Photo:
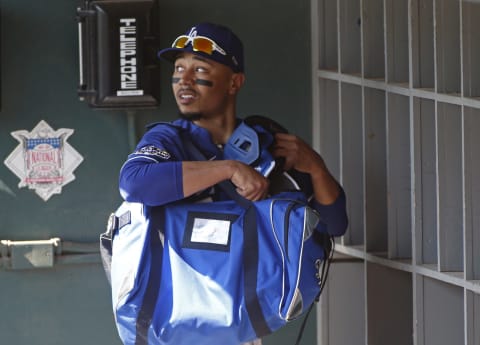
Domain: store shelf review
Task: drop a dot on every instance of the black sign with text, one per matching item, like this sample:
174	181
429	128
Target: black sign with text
118	43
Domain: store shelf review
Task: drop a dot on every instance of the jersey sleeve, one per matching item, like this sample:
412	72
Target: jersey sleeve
333	217
152	174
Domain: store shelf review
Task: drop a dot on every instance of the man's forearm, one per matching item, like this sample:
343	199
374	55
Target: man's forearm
326	189
200	175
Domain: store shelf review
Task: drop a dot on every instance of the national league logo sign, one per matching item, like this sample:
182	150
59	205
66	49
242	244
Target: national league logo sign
43	160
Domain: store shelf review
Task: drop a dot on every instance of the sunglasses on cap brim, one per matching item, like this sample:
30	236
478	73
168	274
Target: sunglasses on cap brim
199	44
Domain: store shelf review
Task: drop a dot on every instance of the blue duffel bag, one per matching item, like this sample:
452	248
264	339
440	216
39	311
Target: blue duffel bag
231	271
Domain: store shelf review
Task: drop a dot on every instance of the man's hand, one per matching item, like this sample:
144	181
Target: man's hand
300	156
250	184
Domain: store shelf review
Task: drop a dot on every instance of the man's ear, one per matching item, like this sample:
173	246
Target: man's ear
237	81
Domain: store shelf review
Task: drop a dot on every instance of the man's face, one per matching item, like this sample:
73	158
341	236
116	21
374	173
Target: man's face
202	88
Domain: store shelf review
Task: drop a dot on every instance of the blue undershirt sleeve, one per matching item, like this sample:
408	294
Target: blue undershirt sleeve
334	216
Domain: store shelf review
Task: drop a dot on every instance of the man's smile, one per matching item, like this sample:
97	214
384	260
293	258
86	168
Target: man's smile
186	96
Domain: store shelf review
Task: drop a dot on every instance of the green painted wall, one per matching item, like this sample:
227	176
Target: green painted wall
39	77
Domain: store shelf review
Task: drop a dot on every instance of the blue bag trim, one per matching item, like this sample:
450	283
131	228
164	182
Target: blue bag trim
145	313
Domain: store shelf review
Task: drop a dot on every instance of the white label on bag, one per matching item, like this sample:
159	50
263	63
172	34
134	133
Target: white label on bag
210	231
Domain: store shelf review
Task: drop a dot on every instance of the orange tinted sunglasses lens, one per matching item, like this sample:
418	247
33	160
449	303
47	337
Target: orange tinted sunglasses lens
180	42
203	45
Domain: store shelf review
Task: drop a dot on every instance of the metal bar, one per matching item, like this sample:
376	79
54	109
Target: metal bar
19	255
78	247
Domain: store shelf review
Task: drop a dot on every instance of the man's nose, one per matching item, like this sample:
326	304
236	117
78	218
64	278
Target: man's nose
187	77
